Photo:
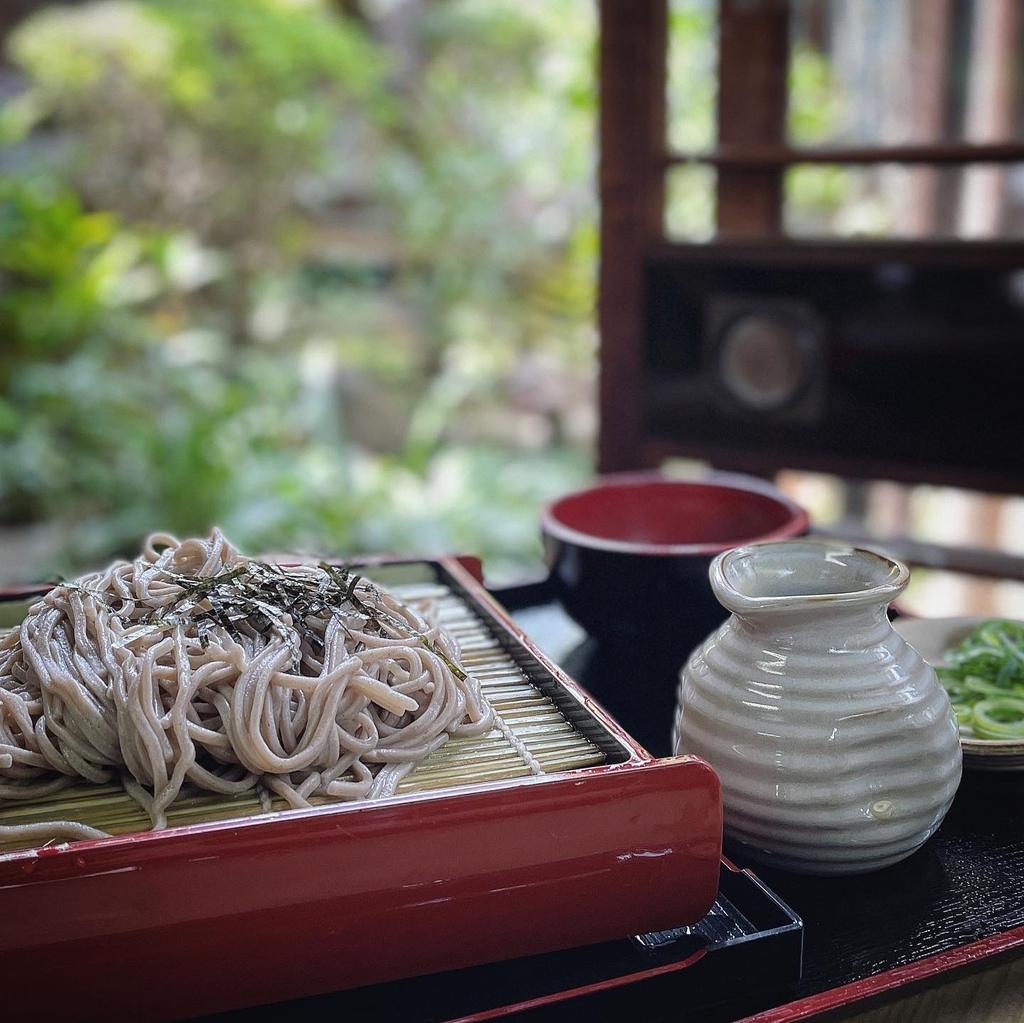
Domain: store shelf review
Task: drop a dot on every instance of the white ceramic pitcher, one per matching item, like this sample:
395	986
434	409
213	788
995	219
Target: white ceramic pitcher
836	745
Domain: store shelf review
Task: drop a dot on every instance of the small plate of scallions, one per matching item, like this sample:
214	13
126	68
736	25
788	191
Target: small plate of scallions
980	662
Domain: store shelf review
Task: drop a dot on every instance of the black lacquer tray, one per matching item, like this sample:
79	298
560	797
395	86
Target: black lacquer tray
955	902
776	947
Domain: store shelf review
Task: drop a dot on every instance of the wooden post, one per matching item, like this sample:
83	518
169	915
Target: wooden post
632	82
752	89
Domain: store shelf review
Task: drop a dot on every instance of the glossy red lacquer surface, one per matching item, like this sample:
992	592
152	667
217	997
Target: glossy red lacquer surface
649	513
205	918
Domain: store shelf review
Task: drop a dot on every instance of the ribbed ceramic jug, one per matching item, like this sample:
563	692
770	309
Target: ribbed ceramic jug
835	743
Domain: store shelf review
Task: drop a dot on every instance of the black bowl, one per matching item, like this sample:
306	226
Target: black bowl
628	557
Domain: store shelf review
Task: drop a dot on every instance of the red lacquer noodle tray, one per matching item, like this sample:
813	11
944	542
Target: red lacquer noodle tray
475	859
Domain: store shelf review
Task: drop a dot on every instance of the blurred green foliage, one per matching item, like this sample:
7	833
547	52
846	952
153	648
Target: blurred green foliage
815	192
320	273
323	279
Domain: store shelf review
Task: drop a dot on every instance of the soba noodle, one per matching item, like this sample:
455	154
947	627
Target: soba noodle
195	667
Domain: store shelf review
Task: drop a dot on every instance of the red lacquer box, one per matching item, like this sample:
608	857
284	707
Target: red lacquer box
208	917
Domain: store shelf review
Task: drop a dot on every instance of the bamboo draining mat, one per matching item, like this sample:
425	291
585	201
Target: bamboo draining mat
532	722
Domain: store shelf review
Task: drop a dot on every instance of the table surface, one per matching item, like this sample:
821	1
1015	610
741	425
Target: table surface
944	917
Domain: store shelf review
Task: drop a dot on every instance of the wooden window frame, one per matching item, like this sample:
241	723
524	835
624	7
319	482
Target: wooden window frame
750	157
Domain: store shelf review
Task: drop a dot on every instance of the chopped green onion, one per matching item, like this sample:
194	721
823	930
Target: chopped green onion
999	717
984	677
982	687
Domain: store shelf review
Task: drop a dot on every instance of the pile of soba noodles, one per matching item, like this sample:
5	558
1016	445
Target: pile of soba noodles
194	667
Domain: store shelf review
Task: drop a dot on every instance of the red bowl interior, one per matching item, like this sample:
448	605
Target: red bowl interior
659	516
